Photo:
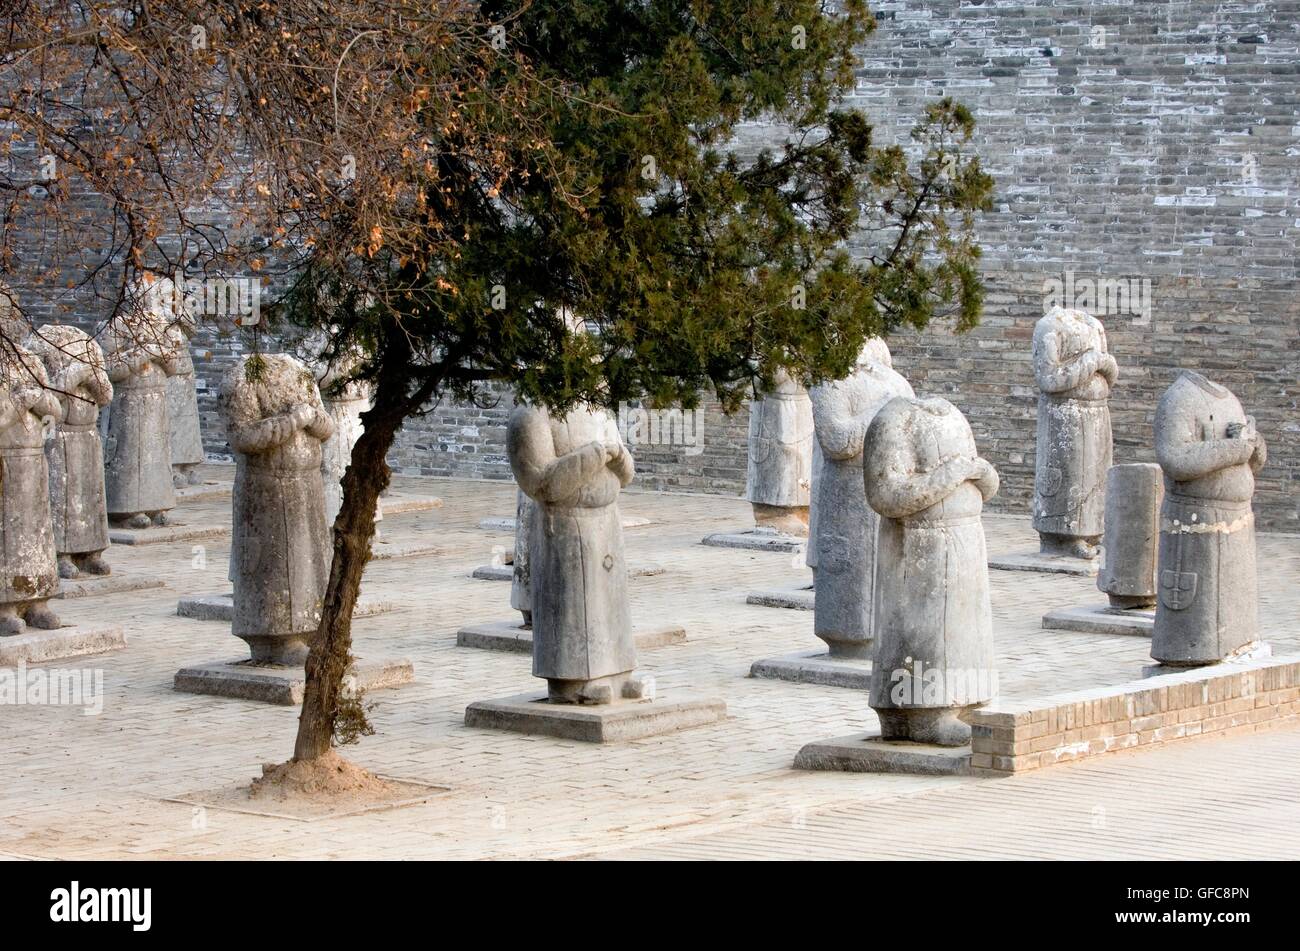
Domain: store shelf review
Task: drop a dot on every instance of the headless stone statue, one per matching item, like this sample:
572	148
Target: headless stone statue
183	409
1133	496
28	572
779	477
141	351
521	587
344	401
1075	374
74	454
573	469
1210	452
845	539
933	622
279	553
814	508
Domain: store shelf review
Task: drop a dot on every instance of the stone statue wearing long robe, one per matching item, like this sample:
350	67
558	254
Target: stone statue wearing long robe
29	574
933	621
183	409
141	349
521	582
846	532
280	552
779	477
1209	450
573	468
75	454
1075	373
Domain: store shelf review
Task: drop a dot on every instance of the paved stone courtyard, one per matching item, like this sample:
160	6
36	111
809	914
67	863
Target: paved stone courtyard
80	786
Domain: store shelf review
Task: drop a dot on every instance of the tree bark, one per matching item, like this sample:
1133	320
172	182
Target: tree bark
366	477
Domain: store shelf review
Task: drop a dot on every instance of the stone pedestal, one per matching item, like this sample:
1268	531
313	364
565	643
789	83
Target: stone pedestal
513	637
37	647
493	572
402	506
244	680
801	598
166	534
386	551
212	490
757	539
90	585
614	722
221	607
1101	619
1043	562
1255	650
815	667
868	753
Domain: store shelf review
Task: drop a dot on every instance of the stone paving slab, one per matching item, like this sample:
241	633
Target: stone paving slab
512	637
285	686
1101	619
1036	561
814	667
38	647
616	722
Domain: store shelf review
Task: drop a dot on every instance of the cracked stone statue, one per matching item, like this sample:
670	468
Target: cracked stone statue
1075	374
573	468
74	364
183	408
29	410
845	539
141	350
1128	573
280	551
933	623
1210	452
344	400
779	477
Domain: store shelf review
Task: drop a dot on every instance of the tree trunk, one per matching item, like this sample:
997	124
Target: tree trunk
366	477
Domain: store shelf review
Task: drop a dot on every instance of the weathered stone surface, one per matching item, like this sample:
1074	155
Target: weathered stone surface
285	686
74	454
573	468
521	592
1128	571
847	526
221	607
1075	373
514	637
934	626
779	480
614	722
1043	562
205	491
509	525
797	599
757	539
142	350
385	551
815	667
279	553
1101	619
868	753
38	646
344	401
91	585
171	533
183	409
1210	452
28	572
398	506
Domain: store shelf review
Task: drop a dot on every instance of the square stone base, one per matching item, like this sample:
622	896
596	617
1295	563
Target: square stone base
494	573
1261	650
401	506
814	667
604	723
507	524
757	539
1101	619
868	753
384	551
166	534
221	607
1037	561
205	491
510	636
36	646
241	680
797	599
89	585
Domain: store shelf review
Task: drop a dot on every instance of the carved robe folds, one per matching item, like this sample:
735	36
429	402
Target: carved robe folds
573	468
1207	589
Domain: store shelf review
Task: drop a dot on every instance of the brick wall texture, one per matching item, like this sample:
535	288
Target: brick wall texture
1153	144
